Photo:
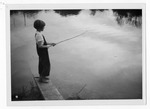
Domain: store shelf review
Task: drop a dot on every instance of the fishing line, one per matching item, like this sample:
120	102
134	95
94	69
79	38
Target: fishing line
70	38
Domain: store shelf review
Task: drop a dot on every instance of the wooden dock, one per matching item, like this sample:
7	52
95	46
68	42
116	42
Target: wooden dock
48	90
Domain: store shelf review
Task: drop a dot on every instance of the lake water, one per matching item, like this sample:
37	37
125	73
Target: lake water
107	58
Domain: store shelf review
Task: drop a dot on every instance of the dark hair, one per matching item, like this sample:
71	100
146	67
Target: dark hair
39	24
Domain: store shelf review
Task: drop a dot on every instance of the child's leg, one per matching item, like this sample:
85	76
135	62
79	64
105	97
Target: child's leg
47	78
46	66
40	66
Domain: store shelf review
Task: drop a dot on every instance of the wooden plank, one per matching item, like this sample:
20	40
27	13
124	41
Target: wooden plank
48	90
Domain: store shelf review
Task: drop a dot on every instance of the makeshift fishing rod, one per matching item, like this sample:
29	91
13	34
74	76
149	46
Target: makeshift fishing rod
70	38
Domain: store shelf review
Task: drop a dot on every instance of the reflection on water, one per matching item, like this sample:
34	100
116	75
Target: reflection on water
107	59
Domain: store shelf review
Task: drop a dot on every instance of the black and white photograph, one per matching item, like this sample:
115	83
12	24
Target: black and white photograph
76	54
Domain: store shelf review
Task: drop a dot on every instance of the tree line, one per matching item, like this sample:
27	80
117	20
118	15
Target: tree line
132	15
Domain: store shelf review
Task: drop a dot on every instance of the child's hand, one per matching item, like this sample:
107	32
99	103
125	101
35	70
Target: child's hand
53	44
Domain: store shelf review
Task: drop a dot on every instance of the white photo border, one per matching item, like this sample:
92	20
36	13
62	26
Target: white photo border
76	6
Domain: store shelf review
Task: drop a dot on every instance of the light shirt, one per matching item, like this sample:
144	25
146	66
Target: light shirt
39	37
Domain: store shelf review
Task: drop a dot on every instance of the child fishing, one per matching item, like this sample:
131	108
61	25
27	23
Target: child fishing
42	46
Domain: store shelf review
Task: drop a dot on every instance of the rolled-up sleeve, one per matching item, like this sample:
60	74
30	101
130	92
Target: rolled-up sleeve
39	38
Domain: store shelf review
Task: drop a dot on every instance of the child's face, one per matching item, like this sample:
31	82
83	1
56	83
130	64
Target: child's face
41	29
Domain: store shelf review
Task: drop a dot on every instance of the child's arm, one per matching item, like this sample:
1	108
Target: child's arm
40	44
52	44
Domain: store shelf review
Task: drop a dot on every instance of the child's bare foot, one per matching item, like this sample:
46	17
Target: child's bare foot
46	78
42	80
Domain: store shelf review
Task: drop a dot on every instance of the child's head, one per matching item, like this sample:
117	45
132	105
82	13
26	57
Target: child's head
39	25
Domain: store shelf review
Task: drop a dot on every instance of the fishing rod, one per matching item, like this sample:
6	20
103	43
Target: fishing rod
70	38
